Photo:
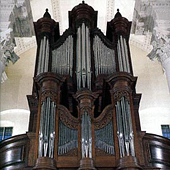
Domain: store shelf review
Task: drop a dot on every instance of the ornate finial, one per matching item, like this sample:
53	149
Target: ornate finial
118	14
83	2
46	14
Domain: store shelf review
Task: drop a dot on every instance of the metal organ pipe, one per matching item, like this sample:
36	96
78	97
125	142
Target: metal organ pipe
83	57
86	136
78	60
62	57
123	53
84	67
104	138
124	128
68	139
104	57
126	54
123	58
120	56
43	59
88	55
47	128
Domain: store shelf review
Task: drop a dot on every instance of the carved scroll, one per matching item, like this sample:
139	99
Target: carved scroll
104	57
62	57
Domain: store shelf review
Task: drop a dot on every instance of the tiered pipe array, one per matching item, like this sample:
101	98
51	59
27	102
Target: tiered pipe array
62	57
86	136
43	58
47	128
104	57
104	139
83	57
123	58
68	139
124	128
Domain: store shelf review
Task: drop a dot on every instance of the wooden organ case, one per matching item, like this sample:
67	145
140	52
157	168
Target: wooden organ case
84	106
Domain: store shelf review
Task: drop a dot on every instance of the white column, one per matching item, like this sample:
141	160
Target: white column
2	68
166	66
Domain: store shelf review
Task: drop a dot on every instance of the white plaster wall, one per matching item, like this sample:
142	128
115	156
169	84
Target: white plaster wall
152	83
16	118
14	110
19	83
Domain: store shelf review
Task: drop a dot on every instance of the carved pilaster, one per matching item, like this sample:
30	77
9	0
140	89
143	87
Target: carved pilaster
48	87
85	99
122	90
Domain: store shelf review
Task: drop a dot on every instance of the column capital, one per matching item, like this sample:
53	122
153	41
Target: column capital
48	82
85	95
161	46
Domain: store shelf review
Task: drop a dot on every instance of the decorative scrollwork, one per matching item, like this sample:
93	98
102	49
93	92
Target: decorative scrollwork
66	118
105	117
50	94
119	94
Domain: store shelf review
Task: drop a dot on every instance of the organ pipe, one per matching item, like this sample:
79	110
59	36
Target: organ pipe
104	139
62	57
124	128
123	58
68	139
104	57
86	136
43	58
83	57
47	128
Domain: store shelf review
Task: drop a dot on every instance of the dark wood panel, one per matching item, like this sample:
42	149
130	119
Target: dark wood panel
14	152
157	151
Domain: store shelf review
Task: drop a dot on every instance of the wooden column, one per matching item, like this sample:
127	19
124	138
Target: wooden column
85	99
49	88
122	90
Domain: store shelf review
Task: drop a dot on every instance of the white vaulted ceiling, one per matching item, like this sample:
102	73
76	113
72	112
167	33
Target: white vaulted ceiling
59	10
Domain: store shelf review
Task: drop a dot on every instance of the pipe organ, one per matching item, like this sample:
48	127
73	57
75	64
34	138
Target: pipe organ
84	106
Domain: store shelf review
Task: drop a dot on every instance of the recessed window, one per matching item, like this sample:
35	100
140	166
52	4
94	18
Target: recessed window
5	132
166	131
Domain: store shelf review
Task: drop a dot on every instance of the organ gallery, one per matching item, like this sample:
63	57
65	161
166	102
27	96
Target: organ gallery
84	106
